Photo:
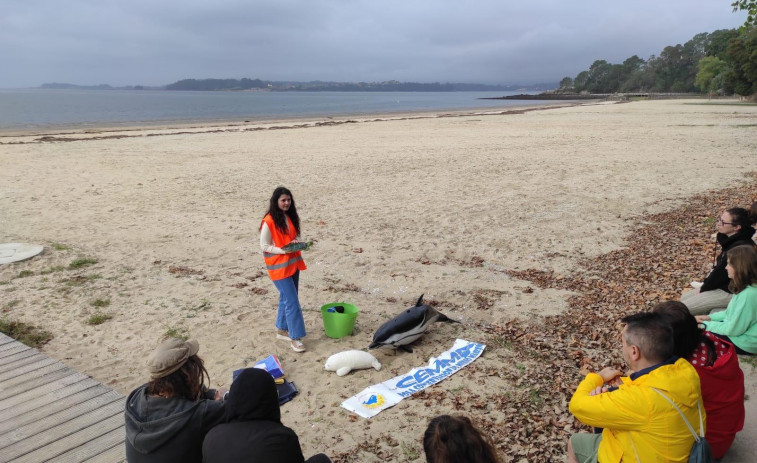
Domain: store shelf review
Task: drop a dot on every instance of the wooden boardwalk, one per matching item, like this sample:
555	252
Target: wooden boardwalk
49	412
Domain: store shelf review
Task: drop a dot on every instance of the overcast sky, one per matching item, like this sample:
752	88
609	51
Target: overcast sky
157	42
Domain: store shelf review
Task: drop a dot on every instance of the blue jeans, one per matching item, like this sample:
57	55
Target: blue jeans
289	317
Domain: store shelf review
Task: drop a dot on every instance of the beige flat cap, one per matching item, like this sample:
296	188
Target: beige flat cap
170	356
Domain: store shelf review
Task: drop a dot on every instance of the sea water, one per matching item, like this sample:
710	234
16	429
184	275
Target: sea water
42	109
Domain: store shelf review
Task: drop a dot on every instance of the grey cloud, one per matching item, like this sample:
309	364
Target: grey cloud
154	43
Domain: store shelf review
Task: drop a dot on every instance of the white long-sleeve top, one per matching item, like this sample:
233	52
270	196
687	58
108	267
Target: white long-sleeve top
266	241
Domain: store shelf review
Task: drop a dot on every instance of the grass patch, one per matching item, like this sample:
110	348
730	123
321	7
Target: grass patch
100	302
4	282
194	310
13	303
410	451
178	332
60	247
98	318
22	332
534	397
24	274
57	268
79	263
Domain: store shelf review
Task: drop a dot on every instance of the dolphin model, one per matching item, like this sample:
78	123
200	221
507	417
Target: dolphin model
408	326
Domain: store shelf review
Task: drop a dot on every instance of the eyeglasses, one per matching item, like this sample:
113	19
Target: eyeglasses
720	222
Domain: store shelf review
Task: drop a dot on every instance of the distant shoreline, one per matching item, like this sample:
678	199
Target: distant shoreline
549	96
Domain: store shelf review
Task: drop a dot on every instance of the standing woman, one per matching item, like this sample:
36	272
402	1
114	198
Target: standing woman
281	226
734	229
738	323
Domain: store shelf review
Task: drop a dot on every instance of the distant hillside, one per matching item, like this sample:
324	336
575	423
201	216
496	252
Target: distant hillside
61	86
313	86
319	86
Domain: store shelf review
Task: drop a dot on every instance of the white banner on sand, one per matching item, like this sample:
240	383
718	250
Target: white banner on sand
374	399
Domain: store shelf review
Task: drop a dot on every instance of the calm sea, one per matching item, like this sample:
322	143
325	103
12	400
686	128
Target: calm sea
42	109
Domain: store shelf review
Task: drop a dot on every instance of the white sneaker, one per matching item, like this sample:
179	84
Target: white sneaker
297	346
283	335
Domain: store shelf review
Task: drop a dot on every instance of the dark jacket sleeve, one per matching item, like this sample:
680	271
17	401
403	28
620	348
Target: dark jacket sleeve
718	277
212	413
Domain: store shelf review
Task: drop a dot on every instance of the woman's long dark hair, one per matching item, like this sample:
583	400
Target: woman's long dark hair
278	216
743	259
686	332
187	382
454	439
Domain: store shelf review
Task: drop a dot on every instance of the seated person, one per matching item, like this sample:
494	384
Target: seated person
734	229
167	418
253	431
753	219
639	423
738	323
720	376
454	439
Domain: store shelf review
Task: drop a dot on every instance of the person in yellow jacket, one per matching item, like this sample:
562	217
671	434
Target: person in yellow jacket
280	227
639	423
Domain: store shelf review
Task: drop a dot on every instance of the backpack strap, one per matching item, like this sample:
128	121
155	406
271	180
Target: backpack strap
699	409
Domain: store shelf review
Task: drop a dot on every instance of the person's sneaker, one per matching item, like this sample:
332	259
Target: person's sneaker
298	346
283	335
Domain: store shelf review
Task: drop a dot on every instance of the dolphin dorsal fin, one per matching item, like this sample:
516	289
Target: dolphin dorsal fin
420	301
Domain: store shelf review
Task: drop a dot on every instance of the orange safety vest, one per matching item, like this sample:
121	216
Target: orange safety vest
282	266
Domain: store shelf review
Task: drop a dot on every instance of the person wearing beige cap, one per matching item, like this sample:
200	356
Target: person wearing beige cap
167	418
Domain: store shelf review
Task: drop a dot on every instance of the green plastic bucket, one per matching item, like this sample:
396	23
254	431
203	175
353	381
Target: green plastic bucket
338	325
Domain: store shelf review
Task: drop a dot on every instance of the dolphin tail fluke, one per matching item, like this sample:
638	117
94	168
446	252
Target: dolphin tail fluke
420	301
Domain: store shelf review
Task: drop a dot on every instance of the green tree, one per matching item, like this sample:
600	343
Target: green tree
566	83
579	83
742	57
718	42
710	76
750	6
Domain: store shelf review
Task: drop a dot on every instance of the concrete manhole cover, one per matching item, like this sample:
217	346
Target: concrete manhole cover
14	252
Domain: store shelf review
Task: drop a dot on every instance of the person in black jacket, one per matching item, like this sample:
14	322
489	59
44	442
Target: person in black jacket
167	418
253	432
734	229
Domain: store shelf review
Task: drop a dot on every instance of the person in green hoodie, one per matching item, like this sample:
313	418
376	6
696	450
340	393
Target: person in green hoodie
168	418
738	323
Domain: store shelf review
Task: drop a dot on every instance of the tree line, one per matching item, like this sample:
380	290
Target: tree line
722	62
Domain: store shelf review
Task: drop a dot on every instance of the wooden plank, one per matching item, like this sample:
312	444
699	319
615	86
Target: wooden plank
22	386
32	375
44	401
112	442
21	362
12	373
6	340
12	348
41	391
64	443
18	445
116	454
13	418
63	416
14	357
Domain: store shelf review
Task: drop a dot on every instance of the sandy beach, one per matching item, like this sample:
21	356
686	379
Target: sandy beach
397	206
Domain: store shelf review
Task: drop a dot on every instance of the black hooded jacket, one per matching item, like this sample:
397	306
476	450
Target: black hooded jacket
718	277
253	432
168	430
